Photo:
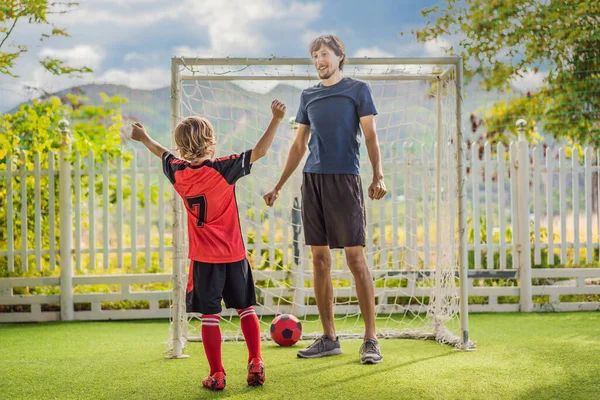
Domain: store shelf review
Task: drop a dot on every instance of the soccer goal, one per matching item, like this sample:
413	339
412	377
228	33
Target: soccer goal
416	243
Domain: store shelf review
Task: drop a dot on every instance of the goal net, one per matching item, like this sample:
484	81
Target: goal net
414	235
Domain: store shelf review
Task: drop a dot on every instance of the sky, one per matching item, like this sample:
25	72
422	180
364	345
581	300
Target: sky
131	42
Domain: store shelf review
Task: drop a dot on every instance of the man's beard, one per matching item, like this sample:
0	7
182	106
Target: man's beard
327	75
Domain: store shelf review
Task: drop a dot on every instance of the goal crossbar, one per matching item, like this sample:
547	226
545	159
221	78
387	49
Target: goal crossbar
307	61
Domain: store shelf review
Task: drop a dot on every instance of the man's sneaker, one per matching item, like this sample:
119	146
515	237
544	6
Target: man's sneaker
322	347
256	372
370	352
214	382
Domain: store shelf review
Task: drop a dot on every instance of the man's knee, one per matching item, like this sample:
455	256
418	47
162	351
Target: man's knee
355	256
356	261
321	260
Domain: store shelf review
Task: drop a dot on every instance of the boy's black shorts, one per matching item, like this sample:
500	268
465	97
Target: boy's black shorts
208	284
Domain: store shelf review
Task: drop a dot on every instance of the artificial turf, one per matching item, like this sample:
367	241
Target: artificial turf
518	356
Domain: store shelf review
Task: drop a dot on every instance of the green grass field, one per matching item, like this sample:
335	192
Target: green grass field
519	356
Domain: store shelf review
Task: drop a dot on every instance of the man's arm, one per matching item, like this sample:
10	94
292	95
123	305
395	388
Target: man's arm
139	133
377	188
297	151
263	145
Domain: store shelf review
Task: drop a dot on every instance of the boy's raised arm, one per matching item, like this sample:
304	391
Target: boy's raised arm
278	111
139	133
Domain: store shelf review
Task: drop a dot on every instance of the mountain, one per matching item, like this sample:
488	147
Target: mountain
240	116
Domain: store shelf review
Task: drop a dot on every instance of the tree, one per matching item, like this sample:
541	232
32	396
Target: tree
14	12
504	39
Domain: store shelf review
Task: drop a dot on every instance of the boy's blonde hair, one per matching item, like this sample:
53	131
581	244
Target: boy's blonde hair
194	137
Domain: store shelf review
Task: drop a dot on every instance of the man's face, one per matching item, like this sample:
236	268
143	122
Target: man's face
326	62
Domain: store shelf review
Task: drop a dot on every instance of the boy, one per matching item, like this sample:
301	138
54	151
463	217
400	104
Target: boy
219	268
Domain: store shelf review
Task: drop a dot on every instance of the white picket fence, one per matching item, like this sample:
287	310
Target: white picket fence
499	188
554	192
549	208
111	223
104	236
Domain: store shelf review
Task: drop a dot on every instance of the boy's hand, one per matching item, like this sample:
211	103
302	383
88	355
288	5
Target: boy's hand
138	132
278	109
271	196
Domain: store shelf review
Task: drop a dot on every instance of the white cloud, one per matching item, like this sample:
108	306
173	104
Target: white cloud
35	76
437	47
371	52
236	14
102	29
134	56
145	79
309	35
187	51
234	27
119	14
77	57
530	81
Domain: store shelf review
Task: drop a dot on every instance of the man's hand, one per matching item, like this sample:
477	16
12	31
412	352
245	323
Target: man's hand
138	132
377	189
278	109
271	197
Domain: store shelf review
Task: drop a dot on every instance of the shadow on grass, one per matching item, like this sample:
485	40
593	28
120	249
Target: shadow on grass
568	389
371	370
319	366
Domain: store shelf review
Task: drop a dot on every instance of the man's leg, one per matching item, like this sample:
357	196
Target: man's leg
324	288
370	352
365	289
315	234
328	344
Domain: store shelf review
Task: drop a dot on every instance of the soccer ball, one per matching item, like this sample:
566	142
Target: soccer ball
286	330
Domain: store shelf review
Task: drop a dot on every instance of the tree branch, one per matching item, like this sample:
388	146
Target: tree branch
10	30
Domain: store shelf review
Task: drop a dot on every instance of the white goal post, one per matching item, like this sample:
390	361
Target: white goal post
416	235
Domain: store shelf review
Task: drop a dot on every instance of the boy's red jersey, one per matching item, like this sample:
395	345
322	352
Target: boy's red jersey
208	193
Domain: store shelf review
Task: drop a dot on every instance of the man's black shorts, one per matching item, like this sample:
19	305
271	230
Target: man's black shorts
333	210
208	284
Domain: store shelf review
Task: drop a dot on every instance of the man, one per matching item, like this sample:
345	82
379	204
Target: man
333	211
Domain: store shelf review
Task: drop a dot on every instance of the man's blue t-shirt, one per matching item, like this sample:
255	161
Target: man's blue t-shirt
333	113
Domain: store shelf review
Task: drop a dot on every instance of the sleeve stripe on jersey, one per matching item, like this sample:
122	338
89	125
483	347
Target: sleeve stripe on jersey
171	165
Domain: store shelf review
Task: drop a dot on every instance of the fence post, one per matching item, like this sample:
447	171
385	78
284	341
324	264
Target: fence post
522	230
298	265
66	224
299	297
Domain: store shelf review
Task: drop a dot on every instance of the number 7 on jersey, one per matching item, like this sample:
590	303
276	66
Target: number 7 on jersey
198	205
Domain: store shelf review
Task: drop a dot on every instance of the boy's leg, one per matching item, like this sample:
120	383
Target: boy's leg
239	293
204	296
211	339
251	330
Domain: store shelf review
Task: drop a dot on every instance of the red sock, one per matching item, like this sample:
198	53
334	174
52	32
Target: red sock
251	331
211	339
